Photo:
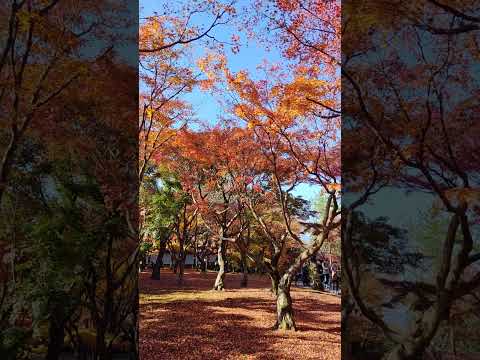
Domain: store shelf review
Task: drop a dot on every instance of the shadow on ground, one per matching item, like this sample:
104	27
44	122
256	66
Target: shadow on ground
194	322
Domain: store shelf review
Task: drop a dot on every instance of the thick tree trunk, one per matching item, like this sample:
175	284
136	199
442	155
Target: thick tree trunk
56	334
100	346
181	269
414	348
285	319
244	281
158	262
275	278
220	280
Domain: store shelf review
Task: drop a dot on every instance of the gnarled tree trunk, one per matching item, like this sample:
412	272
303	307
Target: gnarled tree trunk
220	280
285	319
275	278
414	346
100	346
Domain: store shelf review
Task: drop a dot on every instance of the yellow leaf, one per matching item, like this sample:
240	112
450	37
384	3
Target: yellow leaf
149	112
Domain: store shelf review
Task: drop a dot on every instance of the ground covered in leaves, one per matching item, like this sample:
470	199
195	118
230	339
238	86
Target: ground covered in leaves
193	322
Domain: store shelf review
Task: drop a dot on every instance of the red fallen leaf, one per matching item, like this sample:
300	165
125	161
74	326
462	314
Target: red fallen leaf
192	322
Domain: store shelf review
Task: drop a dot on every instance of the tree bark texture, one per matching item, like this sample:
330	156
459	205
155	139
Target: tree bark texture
285	318
220	280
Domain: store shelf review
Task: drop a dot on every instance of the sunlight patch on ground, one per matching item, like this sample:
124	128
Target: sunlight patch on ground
179	296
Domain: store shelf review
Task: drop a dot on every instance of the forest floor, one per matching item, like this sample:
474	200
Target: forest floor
193	322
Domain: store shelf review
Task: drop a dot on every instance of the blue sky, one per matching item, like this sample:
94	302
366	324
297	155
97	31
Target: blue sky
206	105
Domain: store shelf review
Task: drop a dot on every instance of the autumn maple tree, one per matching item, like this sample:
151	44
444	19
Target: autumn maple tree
66	160
297	143
414	126
165	45
39	61
241	173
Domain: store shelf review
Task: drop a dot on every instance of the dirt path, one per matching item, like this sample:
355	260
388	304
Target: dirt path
193	322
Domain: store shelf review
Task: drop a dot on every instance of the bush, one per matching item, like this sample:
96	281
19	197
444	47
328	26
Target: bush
12	343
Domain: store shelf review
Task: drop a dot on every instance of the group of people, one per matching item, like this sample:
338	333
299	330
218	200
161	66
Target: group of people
329	275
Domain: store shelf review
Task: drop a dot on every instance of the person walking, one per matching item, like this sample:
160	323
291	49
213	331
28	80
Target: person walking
305	278
326	274
335	278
